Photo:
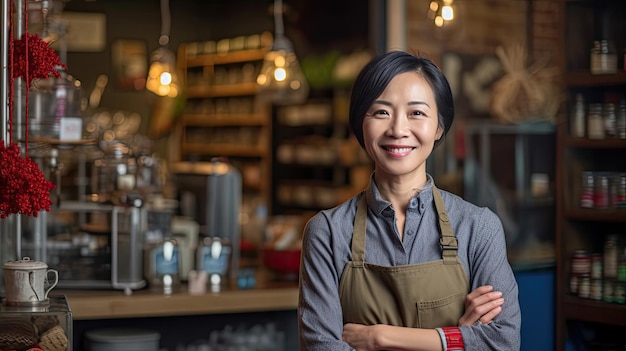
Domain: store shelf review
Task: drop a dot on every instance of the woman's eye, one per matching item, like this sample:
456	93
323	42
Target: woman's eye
415	114
381	114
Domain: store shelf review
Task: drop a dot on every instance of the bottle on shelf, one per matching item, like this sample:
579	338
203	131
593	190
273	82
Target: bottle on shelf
621	119
578	118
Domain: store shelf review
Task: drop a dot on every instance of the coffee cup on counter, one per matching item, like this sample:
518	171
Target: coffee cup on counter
27	282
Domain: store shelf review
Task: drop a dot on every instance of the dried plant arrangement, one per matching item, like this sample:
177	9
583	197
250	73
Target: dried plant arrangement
524	93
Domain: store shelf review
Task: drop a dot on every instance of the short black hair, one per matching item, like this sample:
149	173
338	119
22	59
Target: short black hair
376	75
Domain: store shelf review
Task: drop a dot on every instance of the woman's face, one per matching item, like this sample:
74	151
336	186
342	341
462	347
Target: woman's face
401	126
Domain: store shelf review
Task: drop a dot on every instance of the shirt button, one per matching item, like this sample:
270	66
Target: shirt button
413	203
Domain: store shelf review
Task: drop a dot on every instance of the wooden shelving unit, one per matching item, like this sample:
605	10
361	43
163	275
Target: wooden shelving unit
583	22
223	117
317	162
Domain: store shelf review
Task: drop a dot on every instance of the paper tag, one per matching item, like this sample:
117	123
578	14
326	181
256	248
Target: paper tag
71	129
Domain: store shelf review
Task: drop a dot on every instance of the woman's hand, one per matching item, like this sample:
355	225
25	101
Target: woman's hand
481	306
360	337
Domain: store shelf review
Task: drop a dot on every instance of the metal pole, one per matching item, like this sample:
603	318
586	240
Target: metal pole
4	73
18	110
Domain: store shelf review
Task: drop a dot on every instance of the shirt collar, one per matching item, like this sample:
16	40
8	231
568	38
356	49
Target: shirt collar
377	204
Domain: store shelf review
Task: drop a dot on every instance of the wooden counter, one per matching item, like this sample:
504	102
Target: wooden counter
86	305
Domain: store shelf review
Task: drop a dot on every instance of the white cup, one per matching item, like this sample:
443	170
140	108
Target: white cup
26	282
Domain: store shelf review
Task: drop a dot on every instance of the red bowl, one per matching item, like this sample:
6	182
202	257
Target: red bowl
285	261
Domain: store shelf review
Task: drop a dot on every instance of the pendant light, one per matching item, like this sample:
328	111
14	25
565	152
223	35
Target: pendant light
281	80
441	11
162	78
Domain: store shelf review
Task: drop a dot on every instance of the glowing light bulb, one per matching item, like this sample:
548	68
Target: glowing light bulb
280	74
447	13
165	78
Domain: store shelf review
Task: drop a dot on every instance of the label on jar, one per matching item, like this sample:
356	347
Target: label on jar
584	287
586	199
215	264
581	263
596	266
601	198
610	257
595	122
619	199
596	289
166	261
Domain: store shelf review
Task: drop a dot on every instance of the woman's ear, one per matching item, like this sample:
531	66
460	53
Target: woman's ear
439	133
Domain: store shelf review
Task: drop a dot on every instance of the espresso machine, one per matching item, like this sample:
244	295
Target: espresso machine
210	194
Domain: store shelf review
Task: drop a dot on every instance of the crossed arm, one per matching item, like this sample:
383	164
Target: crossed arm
481	306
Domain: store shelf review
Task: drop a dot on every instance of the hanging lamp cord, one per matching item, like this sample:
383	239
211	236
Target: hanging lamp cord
164	39
279	29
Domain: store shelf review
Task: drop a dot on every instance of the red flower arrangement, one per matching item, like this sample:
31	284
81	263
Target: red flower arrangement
23	188
34	56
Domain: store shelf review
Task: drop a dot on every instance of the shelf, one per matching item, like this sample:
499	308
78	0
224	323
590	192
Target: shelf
594	144
594	311
584	79
583	22
223	116
225	149
608	215
225	120
221	59
209	91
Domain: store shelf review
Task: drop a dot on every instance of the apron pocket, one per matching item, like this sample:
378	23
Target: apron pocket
439	313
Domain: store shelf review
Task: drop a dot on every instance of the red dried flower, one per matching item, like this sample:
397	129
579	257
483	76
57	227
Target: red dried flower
23	187
42	61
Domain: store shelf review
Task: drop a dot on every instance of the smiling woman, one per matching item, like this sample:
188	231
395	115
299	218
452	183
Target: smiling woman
403	265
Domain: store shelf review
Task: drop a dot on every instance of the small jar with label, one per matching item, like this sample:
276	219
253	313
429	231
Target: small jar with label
621	119
577	122
602	191
596	289
213	256
581	263
621	266
588	190
596	266
595	122
162	265
584	287
603	57
619	196
610	256
610	120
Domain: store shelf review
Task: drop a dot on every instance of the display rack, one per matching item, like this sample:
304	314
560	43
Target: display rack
317	162
223	117
580	315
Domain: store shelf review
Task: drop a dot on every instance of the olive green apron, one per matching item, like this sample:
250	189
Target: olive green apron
425	295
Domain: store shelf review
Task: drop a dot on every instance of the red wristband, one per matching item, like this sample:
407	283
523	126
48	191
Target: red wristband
454	339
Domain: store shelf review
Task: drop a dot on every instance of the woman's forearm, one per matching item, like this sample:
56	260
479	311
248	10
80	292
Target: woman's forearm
409	339
392	338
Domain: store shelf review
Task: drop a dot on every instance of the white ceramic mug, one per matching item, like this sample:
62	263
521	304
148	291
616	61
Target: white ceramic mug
26	281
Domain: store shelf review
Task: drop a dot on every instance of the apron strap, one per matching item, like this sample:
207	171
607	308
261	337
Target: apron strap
448	241
358	236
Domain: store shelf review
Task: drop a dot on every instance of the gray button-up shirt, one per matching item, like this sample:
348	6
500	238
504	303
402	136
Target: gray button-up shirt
327	248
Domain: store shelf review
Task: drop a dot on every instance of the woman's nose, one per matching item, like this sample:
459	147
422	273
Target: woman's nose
398	127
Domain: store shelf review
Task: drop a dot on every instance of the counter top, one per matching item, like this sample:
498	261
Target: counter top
113	304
